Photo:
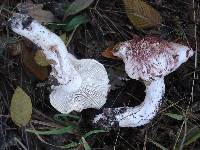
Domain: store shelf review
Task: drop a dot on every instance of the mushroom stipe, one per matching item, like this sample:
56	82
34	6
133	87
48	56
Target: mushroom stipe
82	84
78	84
149	59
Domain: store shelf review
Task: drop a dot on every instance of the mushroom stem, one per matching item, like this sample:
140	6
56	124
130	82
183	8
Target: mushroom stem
134	116
81	83
51	45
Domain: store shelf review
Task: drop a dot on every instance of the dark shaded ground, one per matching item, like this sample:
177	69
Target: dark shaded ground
108	25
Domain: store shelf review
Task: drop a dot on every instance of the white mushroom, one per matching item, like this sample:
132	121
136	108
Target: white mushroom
82	83
148	59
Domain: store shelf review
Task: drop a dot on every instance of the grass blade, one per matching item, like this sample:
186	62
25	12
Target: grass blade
194	135
93	132
71	145
57	116
85	144
175	116
157	144
63	130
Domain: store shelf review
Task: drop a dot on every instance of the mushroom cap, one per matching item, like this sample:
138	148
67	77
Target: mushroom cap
150	58
92	92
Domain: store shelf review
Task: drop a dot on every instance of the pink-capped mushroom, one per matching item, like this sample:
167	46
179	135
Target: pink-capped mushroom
148	59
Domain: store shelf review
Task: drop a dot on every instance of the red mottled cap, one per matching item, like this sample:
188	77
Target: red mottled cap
151	57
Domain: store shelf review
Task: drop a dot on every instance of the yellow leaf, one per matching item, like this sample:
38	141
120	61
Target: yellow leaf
40	59
142	15
64	37
21	107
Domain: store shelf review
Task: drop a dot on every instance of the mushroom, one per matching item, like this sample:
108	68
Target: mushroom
148	59
81	83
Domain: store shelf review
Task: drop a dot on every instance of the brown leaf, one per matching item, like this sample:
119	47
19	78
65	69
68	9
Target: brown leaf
24	47
39	71
142	15
108	53
36	11
28	60
14	48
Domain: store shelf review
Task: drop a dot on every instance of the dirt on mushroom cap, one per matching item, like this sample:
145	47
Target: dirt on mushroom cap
151	57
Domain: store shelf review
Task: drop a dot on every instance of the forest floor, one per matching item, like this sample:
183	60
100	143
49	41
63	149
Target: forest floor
176	125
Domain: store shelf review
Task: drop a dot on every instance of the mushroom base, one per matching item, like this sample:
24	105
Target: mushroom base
134	116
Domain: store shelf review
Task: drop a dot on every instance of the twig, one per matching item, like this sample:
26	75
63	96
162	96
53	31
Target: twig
196	52
184	136
20	143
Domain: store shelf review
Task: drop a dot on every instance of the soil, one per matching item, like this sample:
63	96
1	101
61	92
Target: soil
107	26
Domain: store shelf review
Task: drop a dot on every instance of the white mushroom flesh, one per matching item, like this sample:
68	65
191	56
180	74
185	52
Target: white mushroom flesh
53	48
91	94
148	59
82	83
134	116
151	57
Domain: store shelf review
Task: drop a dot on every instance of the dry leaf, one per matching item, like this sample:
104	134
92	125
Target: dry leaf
21	107
14	48
28	59
142	15
25	49
36	11
108	53
40	59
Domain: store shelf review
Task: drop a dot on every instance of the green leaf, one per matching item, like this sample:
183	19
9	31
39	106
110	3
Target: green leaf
85	144
59	131
77	6
175	116
194	135
75	22
65	116
71	145
93	132
21	107
158	145
55	26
